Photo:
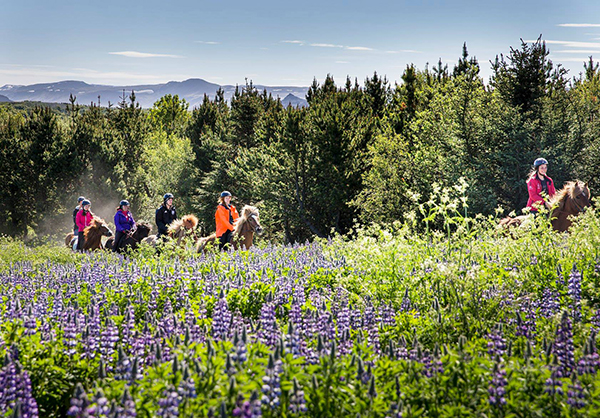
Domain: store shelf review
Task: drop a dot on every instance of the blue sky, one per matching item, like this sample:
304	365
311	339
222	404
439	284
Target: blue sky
276	42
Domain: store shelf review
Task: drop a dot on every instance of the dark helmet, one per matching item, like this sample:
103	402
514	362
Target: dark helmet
168	196
124	203
80	199
85	202
539	162
225	194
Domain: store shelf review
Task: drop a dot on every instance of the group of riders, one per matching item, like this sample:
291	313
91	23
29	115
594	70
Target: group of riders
225	217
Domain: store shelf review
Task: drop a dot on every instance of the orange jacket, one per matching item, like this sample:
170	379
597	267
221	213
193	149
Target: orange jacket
222	218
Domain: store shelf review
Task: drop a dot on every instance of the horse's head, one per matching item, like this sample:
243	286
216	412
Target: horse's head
190	222
579	195
253	219
99	226
142	230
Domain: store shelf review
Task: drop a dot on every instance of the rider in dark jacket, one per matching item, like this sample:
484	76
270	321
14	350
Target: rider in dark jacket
165	214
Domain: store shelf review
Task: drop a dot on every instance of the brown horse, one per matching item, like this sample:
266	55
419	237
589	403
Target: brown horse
92	235
243	230
178	230
133	239
572	199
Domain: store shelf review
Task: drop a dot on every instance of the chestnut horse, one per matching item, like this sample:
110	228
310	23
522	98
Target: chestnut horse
178	229
572	199
92	235
133	239
243	230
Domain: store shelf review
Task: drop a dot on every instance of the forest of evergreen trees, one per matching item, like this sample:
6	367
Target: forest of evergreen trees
362	152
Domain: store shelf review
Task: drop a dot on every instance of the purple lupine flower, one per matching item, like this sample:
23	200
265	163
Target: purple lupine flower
127	405
387	315
595	321
589	363
496	343
187	386
575	292
271	383
79	403
406	304
249	408
560	279
15	389
268	333
297	401
526	319
99	406
92	332
123	366
575	395
108	340
326	327
70	334
221	319
550	304
563	345
497	386
169	403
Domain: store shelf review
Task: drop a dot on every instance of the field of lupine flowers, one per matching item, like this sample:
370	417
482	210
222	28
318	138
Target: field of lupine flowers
469	322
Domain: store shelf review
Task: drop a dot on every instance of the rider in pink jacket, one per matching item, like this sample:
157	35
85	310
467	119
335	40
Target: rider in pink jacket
83	219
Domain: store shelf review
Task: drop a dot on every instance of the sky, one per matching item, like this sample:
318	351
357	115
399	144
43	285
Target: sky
130	42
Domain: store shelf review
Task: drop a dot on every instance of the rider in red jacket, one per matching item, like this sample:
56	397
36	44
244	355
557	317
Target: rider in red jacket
540	186
83	219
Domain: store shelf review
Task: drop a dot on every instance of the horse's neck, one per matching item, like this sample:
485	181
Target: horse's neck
92	241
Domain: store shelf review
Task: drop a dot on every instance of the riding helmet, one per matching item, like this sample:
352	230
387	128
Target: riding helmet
168	196
85	202
225	194
80	199
539	162
124	203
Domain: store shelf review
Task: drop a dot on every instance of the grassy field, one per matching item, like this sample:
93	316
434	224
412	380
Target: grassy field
396	321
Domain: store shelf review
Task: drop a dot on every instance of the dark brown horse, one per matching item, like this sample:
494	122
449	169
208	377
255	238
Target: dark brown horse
243	230
133	239
572	199
92	235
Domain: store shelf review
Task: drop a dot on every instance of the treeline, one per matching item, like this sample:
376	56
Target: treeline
366	152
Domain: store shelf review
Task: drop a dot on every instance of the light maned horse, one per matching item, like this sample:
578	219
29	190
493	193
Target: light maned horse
178	230
572	199
243	230
92	235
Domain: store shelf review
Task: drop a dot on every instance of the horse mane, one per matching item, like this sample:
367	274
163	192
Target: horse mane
143	224
247	211
187	222
94	228
568	191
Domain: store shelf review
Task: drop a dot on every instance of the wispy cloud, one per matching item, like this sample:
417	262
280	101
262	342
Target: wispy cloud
208	42
577	51
327	45
583	59
572	44
342	62
135	54
296	42
579	25
359	48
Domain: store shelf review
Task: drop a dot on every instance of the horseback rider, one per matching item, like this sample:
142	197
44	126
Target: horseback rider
77	209
83	219
539	186
165	215
225	216
124	224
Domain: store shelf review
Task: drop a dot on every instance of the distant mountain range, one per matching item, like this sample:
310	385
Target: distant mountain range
192	90
4	99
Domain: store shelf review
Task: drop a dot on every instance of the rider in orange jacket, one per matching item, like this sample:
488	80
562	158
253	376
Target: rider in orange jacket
225	217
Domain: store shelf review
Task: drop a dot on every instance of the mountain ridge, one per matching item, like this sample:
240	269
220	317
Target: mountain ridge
192	90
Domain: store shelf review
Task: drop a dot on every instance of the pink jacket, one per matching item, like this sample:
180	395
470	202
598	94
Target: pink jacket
534	187
82	220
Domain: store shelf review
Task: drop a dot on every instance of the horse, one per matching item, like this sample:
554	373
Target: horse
572	199
133	239
178	229
243	230
92	235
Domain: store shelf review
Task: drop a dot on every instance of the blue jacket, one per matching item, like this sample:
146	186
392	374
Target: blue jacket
124	221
